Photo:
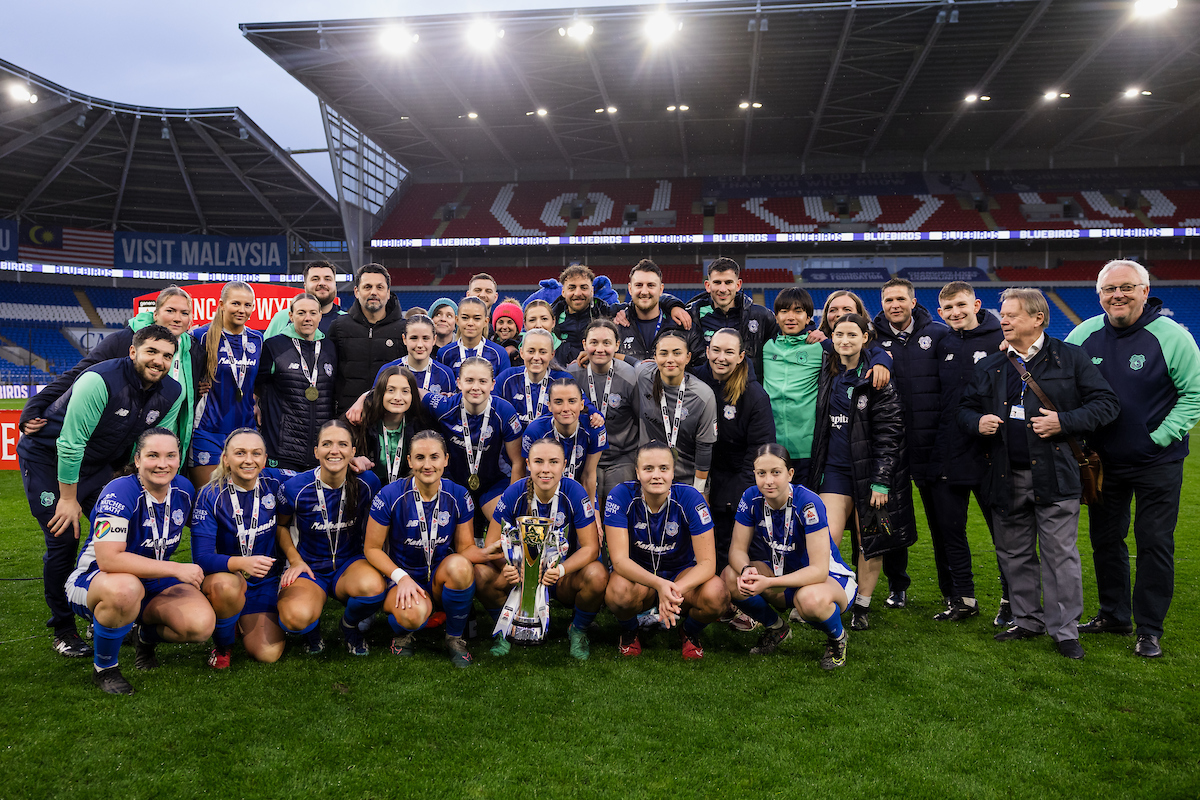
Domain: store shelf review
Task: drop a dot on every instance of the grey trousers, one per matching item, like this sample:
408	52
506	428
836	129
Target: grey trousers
607	479
1046	592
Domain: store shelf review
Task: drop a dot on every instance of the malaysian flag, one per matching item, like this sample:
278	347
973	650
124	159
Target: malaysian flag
73	246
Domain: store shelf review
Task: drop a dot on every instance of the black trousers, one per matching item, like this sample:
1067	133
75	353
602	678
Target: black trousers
951	549
1156	490
41	489
895	562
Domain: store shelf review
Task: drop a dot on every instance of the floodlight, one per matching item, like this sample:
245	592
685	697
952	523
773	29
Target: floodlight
577	30
1064	94
683	108
660	27
19	92
971	98
670	108
743	104
483	34
1131	92
613	109
166	129
985	97
395	39
599	110
33	97
756	105
1051	95
1145	93
472	115
1152	8
541	112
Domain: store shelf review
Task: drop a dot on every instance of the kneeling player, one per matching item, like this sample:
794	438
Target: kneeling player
421	533
579	579
124	574
660	537
326	510
233	540
804	571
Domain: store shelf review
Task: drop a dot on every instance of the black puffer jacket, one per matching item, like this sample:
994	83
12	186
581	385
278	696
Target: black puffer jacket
363	347
962	454
755	323
569	326
877	457
1084	401
915	374
289	419
741	429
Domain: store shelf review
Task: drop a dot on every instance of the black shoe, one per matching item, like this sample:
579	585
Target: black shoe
111	680
860	618
771	638
1017	632
897	600
460	656
835	652
143	652
1103	624
1004	617
1147	646
68	645
1070	648
958	611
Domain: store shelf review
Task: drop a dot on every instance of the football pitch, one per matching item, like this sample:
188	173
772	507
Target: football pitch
922	709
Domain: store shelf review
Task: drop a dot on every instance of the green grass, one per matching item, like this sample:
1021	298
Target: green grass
11	404
922	709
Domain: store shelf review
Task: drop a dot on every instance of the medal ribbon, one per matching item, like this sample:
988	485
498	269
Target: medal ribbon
573	439
531	410
245	537
331	534
777	553
428	371
393	461
428	536
238	368
656	554
672	428
475	456
462	351
312	379
602	403
157	541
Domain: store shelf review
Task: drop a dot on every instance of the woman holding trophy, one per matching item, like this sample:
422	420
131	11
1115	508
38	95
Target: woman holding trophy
421	536
660	538
555	510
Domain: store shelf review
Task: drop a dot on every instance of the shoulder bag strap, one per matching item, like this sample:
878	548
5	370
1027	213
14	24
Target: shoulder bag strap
1046	402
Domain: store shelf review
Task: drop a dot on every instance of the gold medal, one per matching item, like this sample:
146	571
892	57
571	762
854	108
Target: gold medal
473	482
311	393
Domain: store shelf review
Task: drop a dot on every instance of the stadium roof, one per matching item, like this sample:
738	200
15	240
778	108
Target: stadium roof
72	159
848	85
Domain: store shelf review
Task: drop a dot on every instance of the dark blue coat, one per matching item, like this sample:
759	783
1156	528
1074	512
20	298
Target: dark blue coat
915	374
1085	403
960	453
741	429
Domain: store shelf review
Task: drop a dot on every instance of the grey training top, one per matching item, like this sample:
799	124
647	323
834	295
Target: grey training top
698	425
620	412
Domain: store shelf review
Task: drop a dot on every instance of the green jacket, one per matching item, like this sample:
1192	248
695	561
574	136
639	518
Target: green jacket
791	368
184	411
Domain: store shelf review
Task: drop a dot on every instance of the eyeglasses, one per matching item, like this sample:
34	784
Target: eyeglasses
1124	288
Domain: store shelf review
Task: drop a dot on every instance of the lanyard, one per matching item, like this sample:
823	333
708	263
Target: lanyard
1024	372
428	371
312	379
475	456
671	428
656	553
462	351
657	328
428	537
777	553
600	403
572	440
245	537
238	368
331	535
535	411
159	542
392	461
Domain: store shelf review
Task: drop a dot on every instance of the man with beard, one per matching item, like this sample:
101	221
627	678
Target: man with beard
88	436
320	280
646	316
369	336
723	304
574	310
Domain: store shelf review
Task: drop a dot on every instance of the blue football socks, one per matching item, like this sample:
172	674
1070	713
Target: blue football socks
225	632
457	605
757	608
107	643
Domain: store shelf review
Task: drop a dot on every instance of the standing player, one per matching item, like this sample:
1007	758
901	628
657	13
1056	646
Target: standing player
784	524
579	579
526	387
421	535
87	436
321	517
611	386
233	541
124	574
582	443
472	339
660	538
232	351
478	428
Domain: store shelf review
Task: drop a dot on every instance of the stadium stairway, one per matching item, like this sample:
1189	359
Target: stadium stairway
1053	297
88	308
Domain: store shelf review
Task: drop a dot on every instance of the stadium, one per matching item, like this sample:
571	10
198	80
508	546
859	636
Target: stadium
824	146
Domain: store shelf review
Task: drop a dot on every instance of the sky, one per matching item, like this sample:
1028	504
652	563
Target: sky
192	54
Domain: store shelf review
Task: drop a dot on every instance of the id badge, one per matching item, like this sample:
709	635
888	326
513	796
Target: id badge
1016	412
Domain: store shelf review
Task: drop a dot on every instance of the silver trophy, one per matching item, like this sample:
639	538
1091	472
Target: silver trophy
533	549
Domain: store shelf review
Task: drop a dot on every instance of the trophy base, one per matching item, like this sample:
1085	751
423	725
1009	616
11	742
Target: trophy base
527	632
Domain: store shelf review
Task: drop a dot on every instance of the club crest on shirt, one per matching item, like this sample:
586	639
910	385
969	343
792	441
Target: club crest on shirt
251	348
925	342
614	400
672	529
202	458
752	326
578	453
862	402
329	370
980	355
177	516
444	518
560	519
268	502
1136	362
730	412
151	417
811	517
